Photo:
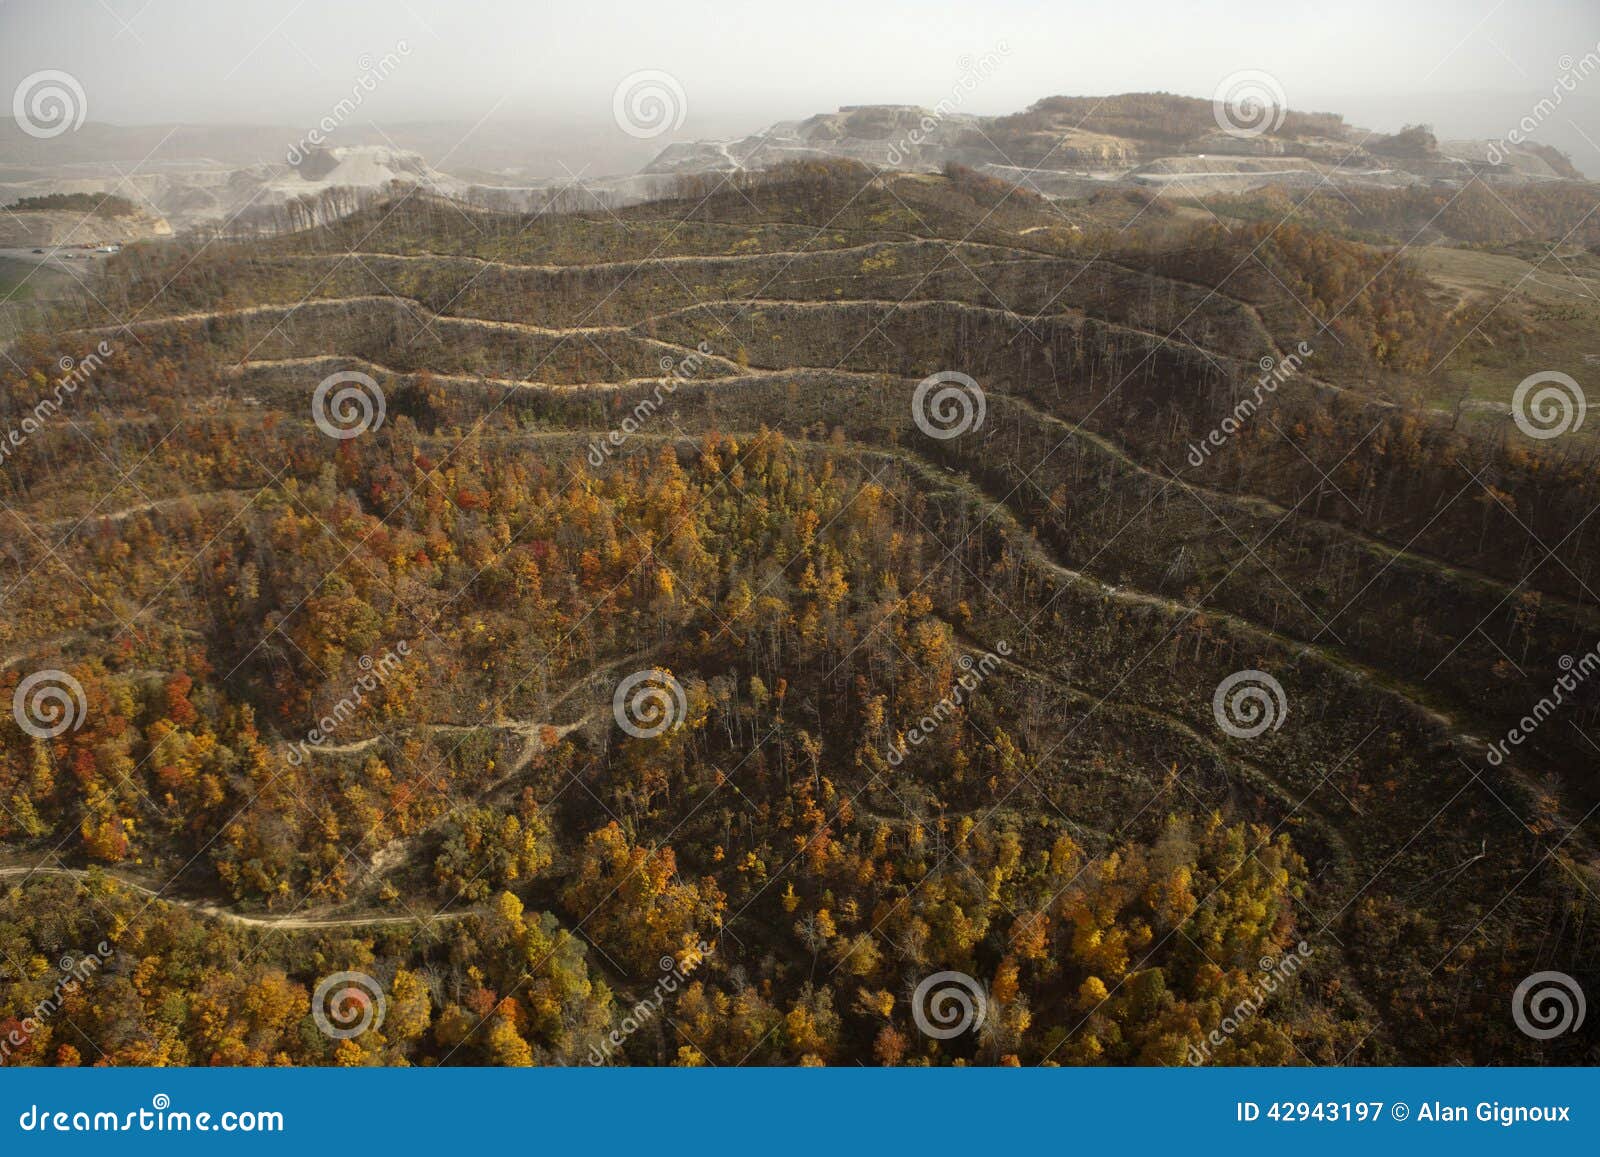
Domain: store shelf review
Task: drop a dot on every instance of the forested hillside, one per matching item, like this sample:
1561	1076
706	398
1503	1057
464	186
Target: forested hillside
594	630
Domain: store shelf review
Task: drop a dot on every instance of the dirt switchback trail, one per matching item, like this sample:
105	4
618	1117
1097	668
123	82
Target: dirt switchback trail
282	923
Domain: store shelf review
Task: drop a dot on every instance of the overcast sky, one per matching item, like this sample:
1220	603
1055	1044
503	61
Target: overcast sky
743	63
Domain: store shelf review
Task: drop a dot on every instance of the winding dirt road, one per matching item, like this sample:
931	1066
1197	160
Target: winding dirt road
281	923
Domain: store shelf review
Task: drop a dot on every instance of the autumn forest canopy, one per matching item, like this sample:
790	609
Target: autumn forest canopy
906	703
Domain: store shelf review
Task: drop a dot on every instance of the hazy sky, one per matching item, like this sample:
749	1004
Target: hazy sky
741	64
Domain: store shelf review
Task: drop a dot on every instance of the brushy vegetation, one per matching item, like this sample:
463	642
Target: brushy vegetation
100	204
819	576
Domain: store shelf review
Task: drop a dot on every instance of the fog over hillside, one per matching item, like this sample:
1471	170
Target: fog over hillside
216	112
503	86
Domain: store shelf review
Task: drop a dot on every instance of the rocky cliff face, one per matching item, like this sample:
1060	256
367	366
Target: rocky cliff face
1068	145
184	193
1059	146
893	136
66	228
